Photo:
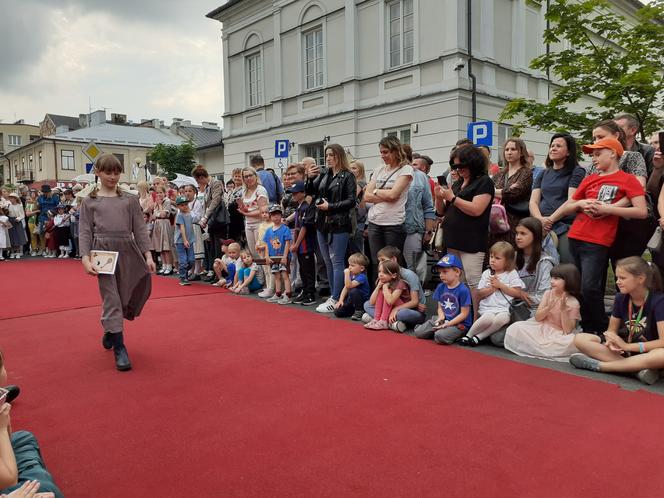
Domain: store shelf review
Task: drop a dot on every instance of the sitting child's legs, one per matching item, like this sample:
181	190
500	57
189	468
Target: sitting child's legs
488	323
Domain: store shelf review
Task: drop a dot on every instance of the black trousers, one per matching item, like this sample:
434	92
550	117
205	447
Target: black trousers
307	264
354	302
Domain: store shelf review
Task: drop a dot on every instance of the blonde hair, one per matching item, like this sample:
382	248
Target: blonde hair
505	250
360	168
143	185
253	171
358	258
637	266
234	247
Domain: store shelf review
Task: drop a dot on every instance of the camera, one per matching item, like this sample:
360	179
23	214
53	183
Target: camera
459	64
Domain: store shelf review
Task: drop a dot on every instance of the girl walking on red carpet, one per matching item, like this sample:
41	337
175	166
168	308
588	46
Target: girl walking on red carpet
112	220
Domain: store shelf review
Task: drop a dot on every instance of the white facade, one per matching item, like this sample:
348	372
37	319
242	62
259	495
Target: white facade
356	70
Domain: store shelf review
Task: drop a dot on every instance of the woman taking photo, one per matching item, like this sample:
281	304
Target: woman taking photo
554	187
513	186
387	193
466	207
334	194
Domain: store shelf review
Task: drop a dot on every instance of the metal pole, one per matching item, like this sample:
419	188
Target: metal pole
473	79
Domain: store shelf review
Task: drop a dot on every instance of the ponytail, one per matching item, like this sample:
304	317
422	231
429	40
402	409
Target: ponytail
637	266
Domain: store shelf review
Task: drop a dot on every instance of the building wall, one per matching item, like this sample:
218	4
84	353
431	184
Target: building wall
8	133
54	155
212	159
362	97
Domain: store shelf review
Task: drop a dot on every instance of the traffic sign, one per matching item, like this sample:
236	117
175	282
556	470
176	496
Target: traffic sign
281	148
481	133
88	167
92	150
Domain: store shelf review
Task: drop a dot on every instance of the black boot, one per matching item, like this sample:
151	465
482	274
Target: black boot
12	393
122	362
107	340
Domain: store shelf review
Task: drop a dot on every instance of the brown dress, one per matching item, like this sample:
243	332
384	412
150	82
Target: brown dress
523	179
116	224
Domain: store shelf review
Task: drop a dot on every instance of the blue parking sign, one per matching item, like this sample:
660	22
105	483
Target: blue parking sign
281	148
481	133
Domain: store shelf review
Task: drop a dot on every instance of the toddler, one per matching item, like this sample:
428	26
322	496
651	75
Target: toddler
226	267
356	288
249	277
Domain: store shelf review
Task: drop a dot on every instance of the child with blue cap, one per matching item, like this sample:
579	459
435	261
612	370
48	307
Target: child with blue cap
454	309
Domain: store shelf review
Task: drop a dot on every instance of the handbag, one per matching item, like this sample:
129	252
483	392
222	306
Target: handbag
498	222
519	311
436	243
655	242
220	218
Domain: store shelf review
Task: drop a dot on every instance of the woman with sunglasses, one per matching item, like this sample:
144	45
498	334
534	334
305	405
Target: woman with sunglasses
466	208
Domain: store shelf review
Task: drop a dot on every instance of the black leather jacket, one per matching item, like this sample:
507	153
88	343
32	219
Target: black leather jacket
339	191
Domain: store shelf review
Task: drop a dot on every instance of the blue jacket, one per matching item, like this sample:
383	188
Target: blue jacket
419	205
275	190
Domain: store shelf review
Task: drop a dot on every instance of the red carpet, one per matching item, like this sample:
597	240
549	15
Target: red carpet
234	397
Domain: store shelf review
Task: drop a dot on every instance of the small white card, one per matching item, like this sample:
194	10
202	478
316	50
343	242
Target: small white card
104	261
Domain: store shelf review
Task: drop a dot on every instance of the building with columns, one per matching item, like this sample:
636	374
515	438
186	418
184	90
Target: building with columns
353	71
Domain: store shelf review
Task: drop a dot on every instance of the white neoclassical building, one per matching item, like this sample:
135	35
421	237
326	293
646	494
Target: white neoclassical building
352	71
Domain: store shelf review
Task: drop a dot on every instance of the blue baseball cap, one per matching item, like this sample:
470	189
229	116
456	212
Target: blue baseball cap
450	261
298	186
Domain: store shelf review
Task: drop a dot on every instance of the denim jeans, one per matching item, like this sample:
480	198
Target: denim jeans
333	249
186	259
354	302
385	235
591	260
410	317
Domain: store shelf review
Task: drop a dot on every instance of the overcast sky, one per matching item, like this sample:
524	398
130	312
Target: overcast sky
143	58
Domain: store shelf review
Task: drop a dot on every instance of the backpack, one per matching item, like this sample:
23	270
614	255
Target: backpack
498	222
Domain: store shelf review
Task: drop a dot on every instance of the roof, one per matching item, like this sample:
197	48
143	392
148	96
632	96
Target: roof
124	135
225	6
70	121
202	137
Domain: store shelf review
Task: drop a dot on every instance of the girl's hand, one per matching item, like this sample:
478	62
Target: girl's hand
496	283
614	342
393	316
526	298
339	304
547	224
89	267
29	490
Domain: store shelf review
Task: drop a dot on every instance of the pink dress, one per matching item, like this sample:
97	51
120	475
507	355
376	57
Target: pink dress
544	340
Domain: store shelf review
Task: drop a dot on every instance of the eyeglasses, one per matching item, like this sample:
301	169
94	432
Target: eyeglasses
454	165
248	176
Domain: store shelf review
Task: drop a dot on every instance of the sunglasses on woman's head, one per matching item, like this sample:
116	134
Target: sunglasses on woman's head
454	165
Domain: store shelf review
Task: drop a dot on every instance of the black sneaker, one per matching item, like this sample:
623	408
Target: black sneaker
299	299
185	282
357	316
309	301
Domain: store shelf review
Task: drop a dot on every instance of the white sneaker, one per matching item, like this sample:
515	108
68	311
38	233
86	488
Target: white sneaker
327	306
273	299
61	256
33	254
366	318
18	256
66	256
284	300
266	293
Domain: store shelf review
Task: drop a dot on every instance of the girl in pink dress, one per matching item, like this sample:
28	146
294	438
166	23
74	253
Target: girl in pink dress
550	334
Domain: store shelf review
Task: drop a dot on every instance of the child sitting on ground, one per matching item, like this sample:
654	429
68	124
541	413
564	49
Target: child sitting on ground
277	241
249	277
549	335
454	315
390	291
498	286
634	340
356	289
226	267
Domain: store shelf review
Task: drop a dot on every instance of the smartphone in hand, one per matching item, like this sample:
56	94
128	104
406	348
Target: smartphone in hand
442	180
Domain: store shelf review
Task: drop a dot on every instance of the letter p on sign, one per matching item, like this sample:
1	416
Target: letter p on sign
481	133
281	148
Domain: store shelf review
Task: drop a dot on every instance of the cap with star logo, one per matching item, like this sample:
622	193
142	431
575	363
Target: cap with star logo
450	261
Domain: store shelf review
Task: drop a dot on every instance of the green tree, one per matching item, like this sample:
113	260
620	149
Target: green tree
617	62
174	159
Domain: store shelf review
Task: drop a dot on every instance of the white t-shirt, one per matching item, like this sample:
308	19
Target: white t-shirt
251	205
390	213
498	301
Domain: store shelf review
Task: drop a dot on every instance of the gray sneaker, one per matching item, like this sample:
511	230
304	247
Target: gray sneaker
366	318
398	326
580	360
284	300
648	376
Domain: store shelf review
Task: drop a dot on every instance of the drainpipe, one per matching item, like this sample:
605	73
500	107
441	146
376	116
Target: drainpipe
55	161
473	79
548	51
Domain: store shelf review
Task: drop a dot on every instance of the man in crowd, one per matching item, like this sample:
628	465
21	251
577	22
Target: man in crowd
630	126
269	180
423	164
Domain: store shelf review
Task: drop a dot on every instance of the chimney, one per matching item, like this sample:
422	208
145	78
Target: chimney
119	119
209	125
97	118
83	120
